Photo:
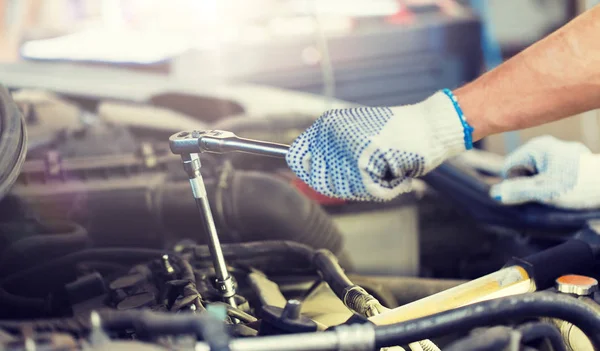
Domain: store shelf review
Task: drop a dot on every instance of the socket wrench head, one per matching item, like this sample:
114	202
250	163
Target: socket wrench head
195	141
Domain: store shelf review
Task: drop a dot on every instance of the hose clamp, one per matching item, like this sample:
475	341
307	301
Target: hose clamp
356	337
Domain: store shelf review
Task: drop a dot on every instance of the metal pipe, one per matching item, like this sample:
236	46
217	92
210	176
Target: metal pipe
293	342
353	337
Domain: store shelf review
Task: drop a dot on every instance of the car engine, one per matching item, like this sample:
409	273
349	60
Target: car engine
149	237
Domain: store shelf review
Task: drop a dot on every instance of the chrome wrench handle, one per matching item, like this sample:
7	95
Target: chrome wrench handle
218	141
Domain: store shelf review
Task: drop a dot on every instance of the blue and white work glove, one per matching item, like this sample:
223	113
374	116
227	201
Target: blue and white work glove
373	153
567	175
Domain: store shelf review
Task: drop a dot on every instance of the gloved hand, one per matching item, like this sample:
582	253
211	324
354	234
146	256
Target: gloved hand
568	175
372	153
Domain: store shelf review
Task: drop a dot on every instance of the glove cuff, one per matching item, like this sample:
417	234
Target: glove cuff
449	128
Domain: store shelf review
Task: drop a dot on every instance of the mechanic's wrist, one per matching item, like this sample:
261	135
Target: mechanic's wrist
467	129
472	103
450	131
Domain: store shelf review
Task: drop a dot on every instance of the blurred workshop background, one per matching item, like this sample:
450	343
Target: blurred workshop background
383	52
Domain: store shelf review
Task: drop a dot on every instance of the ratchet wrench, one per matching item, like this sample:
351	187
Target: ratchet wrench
218	141
188	144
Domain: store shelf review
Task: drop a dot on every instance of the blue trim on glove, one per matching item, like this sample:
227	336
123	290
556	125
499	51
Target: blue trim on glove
467	128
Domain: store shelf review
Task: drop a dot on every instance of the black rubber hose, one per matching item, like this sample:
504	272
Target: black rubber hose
13	141
8	300
493	339
284	214
332	273
251	206
576	257
59	239
12	305
61	268
150	325
267	256
540	330
493	312
353	296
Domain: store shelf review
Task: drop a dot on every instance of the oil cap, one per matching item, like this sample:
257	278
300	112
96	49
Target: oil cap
577	285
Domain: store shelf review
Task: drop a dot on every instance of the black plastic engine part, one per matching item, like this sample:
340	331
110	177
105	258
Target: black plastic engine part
86	287
51	240
492	339
13	141
541	330
287	320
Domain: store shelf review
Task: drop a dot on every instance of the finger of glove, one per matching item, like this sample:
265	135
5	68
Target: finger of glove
377	192
380	178
519	190
524	157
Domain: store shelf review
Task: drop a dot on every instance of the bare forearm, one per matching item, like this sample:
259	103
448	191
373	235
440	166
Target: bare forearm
553	79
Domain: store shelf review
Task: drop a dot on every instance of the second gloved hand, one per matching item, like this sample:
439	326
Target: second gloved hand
567	175
372	153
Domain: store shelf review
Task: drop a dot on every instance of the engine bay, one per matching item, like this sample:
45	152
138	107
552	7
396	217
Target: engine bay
103	245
